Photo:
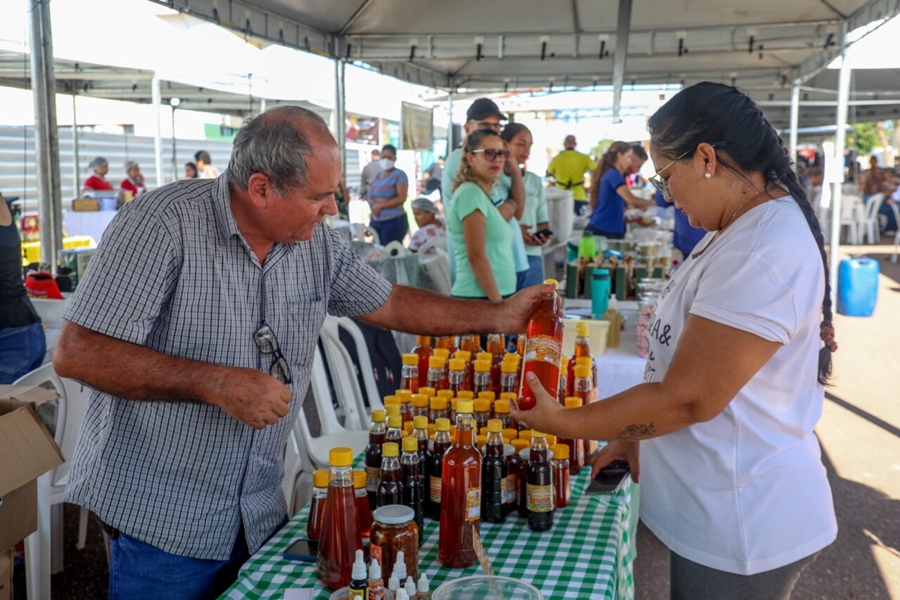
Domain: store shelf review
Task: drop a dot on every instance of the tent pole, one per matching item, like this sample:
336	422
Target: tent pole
450	147
157	135
76	157
795	119
340	99
838	180
624	28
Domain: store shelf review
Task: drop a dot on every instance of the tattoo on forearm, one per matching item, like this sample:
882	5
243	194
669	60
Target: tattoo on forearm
637	432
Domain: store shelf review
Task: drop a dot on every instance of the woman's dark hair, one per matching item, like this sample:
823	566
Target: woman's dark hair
713	112
473	142
512	130
390	147
194	168
607	162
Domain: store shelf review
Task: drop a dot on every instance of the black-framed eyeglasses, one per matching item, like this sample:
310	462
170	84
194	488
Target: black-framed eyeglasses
267	344
492	154
661	184
488	125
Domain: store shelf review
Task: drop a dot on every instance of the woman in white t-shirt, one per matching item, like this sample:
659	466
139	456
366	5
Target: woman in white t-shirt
720	433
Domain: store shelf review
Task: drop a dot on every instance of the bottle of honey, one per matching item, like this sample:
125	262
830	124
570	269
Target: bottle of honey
509	377
405	397
377	434
317	505
494	475
390	488
413	482
445	342
420	433
394	429
467	357
456	376
560	467
495	347
482	412
437	373
442	443
576	447
363	508
543	348
340	537
482	378
409	373
460	493
470	343
539	485
423	350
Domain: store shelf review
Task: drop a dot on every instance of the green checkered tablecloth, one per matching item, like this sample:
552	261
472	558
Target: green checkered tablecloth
588	553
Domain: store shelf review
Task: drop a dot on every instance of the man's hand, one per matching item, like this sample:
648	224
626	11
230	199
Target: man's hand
250	396
529	239
630	452
519	308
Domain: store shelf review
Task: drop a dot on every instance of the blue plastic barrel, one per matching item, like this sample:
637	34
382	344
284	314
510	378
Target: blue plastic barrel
858	286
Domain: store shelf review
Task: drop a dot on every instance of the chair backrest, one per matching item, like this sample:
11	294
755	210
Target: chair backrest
849	205
873	205
344	375
350	334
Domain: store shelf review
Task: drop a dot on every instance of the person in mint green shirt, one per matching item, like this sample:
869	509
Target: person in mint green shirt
534	217
480	234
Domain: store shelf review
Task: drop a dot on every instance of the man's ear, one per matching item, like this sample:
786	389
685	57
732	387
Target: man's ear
259	190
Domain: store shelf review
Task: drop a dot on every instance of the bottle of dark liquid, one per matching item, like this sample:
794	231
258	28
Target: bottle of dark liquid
539	485
390	489
442	443
560	466
423	351
514	472
377	433
420	433
363	508
340	537
522	450
543	348
394	429
576	447
494	475
413	482
460	494
409	374
317	504
438	409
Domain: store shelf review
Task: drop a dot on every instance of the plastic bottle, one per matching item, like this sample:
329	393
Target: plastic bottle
501	410
317	505
442	443
419	406
612	314
456	376
470	343
394	586
423	591
560	467
481	381
363	508
517	465
409	373
565	382
445	343
438	409
413	482
543	348
437	373
582	350
460	493
394	431
509	377
467	357
512	478
420	433
539	485
410	587
377	434
359	583
495	346
494	475
423	350
428	391
576	447
375	583
400	569
482	413
340	538
405	397
390	488
583	388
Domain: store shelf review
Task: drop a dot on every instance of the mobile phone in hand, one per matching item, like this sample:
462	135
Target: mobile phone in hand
610	479
543	233
304	550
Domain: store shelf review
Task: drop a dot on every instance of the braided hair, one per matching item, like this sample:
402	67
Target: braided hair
713	112
473	142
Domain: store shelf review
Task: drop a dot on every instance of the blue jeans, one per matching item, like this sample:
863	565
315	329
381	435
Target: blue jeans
138	570
534	275
392	230
22	350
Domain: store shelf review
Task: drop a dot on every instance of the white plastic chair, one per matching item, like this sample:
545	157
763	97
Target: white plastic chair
851	217
869	224
332	328
297	471
343	377
47	542
896	212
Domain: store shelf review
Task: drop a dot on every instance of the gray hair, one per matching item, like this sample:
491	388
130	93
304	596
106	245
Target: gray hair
98	162
272	144
129	164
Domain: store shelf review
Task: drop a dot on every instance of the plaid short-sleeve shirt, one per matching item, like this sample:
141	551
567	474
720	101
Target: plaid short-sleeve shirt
175	275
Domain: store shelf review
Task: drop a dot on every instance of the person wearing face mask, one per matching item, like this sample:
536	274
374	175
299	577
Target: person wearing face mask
386	196
610	193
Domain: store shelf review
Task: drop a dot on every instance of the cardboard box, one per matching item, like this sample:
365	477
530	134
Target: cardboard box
85	204
27	450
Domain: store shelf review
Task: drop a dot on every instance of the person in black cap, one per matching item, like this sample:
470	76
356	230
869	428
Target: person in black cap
485	114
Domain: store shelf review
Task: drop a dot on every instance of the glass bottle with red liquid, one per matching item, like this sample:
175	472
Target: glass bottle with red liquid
363	508
435	462
560	467
497	350
582	350
584	385
467	357
423	350
460	493
317	504
377	434
437	373
576	447
409	373
543	348
470	343
340	537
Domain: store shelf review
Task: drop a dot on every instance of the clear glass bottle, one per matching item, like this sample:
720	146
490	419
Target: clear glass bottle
494	475
409	373
377	435
460	493
442	443
340	537
413	482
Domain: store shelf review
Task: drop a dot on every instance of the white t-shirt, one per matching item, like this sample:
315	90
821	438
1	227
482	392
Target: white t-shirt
746	492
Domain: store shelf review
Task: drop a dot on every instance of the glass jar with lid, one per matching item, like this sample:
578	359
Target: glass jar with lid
394	530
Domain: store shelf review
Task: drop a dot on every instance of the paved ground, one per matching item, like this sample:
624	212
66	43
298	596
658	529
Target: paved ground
860	436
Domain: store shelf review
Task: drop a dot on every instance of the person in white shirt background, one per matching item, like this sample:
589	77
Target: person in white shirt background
720	433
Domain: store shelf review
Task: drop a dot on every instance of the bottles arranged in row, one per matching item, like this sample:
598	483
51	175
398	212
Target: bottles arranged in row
369	584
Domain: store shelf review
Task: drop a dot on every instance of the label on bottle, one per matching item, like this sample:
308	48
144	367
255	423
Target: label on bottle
510	496
375	552
373	478
376	591
504	490
473	504
544	348
540	497
357	593
435	489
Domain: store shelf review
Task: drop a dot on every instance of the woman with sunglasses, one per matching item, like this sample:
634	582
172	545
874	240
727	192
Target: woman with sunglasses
609	193
479	231
720	433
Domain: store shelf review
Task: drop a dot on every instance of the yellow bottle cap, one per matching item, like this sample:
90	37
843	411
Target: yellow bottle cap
509	366
525	434
551	439
487	396
392	399
320	478
441	353
420	400
537	434
482	366
436	362
511	434
445	394
464	407
582	371
573	402
395	421
392	409
420	422
410	444
480	440
508	396
482	405
410	359
495	426
552	282
359	478
438	404
581	329
506	439
463	355
378	415
457	364
560	451
408	427
563	362
428	391
519	444
340	457
466	395
442	424
404	395
484	356
584	360
501	407
390	450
